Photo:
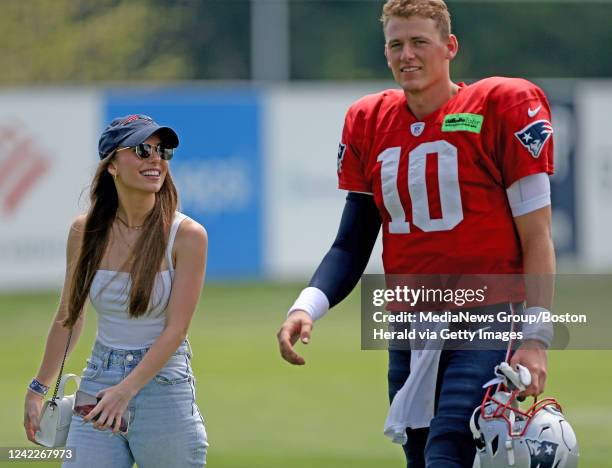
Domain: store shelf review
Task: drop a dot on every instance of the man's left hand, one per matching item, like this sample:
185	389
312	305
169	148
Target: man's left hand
532	354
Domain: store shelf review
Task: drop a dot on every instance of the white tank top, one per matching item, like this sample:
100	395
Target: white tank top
110	294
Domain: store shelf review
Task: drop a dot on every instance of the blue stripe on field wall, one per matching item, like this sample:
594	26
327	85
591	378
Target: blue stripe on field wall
217	167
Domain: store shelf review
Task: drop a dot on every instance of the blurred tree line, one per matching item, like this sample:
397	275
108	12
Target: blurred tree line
87	41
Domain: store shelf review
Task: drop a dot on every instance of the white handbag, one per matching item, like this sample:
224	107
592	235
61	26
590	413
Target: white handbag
56	413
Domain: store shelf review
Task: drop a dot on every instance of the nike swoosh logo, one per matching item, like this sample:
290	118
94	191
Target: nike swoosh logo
533	112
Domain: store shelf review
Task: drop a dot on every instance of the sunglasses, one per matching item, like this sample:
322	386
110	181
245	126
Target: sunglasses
145	150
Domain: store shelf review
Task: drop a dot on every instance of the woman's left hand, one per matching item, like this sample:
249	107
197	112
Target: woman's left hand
110	408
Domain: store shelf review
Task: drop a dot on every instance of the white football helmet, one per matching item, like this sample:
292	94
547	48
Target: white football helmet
506	436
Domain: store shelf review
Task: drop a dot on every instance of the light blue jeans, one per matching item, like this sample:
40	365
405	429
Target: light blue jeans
166	428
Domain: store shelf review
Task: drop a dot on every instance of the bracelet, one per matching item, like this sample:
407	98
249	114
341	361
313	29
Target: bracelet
38	387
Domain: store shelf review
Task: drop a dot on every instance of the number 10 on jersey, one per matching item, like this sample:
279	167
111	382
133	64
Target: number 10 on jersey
448	182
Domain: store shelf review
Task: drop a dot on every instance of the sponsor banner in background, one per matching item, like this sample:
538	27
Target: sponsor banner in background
48	142
217	167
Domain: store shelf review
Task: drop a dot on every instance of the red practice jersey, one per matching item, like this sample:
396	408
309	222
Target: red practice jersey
440	182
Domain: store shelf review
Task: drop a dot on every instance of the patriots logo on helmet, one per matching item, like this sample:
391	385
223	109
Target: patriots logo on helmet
506	435
542	453
534	136
341	151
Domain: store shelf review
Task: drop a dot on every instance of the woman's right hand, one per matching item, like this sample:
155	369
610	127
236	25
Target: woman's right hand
31	414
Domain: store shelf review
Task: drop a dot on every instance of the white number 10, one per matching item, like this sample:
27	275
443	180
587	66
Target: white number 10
448	183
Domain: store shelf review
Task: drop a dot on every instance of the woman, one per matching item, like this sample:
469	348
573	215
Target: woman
142	264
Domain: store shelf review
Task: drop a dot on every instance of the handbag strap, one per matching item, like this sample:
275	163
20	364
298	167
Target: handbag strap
59	377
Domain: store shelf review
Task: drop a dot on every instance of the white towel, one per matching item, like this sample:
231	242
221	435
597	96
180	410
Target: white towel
413	404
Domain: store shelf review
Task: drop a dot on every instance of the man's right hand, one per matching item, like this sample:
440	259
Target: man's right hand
297	326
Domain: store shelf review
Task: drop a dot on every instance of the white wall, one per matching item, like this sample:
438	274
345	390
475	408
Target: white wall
594	167
303	204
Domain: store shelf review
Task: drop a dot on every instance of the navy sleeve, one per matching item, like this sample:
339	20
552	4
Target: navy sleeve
345	262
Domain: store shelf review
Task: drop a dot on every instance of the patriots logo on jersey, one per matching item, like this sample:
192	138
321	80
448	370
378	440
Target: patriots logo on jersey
542	454
341	151
534	135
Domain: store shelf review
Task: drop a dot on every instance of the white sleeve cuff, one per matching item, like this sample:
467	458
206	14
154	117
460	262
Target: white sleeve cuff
538	327
529	194
313	301
365	193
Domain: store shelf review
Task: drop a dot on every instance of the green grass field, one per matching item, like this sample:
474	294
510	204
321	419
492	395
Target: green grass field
262	412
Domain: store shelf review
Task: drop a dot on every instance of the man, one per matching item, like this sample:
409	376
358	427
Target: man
489	147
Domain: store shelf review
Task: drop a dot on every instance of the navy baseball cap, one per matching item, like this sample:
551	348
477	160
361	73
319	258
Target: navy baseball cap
133	130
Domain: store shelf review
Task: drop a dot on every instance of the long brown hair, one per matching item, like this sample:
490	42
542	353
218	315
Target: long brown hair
148	251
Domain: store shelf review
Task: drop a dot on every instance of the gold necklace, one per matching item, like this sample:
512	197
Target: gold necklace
127	225
122	236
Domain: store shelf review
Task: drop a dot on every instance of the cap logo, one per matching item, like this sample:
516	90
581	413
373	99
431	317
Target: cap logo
134	117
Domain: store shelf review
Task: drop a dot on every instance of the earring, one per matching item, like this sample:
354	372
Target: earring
115	177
